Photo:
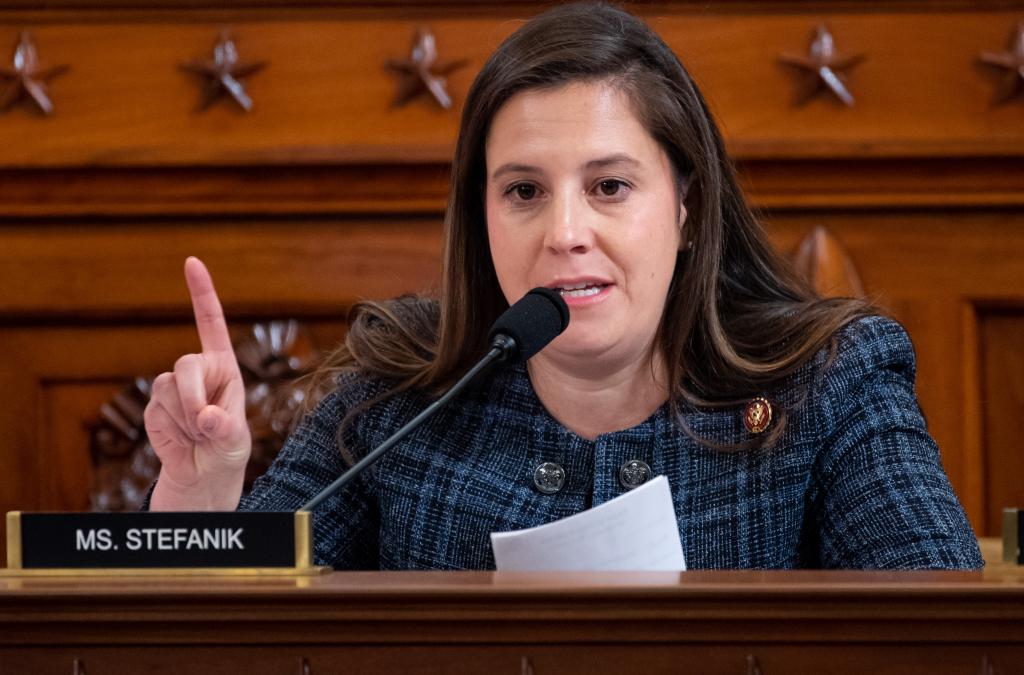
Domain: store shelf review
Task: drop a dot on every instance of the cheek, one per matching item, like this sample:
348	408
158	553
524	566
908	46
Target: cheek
654	252
513	241
504	256
654	240
499	227
497	236
492	235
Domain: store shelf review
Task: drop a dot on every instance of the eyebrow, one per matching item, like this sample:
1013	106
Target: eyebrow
600	163
612	160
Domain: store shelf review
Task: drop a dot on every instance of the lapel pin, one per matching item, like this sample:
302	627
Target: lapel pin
758	415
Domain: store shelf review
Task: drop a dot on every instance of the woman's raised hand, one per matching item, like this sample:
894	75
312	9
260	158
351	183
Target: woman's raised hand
195	418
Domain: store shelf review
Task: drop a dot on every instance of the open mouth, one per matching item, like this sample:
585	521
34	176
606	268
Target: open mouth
583	290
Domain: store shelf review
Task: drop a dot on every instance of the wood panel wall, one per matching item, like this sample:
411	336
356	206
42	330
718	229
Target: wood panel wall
326	193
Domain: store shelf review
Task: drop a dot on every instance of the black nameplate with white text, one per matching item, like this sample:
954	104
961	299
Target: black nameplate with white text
157	540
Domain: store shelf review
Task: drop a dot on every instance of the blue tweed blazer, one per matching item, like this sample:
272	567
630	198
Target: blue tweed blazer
855	481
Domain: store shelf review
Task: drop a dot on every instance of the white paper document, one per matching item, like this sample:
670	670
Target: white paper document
634	531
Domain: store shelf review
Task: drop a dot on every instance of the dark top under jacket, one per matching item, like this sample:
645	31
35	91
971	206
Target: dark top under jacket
855	481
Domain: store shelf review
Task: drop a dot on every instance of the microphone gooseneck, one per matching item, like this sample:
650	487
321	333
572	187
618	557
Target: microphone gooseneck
520	332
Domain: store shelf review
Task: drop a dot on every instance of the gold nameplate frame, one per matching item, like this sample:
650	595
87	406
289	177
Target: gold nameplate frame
160	543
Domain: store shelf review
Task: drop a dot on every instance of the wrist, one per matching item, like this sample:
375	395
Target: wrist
207	495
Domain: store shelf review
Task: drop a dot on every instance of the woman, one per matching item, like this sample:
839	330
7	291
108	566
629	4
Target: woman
587	161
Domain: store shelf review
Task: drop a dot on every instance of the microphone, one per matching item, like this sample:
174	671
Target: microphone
520	332
528	326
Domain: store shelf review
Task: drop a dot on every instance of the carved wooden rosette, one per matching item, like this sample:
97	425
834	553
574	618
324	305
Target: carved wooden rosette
271	357
124	464
25	79
823	68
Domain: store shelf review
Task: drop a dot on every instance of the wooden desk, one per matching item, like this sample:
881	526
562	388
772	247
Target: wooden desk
477	622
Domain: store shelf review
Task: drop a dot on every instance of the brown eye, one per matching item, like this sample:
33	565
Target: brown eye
610	188
525	191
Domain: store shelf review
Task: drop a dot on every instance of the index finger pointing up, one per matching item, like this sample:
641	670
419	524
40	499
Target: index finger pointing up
213	330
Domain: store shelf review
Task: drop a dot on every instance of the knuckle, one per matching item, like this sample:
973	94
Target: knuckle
186	361
156	418
192	404
162	382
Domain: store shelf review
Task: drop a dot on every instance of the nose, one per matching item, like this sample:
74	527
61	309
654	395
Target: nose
568	230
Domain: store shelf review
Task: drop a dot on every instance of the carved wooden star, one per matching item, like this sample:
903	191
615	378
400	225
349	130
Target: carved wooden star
224	74
825	67
418	74
1012	61
26	79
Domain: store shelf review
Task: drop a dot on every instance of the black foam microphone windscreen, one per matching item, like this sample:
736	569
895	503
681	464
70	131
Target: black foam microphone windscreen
532	322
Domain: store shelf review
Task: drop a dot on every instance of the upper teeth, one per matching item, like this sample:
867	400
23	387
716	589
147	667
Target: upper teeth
580	290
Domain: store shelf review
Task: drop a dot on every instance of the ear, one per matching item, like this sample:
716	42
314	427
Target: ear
685	240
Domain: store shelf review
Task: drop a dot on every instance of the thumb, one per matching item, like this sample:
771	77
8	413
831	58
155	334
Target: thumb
215	424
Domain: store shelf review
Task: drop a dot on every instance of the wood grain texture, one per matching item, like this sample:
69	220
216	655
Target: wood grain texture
586	659
127	102
822	261
422	189
470	622
1001	341
93	269
678	6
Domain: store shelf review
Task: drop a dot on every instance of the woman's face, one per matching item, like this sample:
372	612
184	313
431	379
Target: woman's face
582	199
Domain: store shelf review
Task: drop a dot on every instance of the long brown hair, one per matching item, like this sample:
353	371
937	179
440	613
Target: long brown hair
737	320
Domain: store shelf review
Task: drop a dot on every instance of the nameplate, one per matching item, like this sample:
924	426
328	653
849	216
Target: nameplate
159	540
1013	536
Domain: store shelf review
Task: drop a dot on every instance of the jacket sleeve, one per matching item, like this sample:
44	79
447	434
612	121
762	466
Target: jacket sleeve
883	498
345	526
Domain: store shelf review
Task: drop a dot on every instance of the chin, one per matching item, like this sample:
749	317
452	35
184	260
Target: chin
592	347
